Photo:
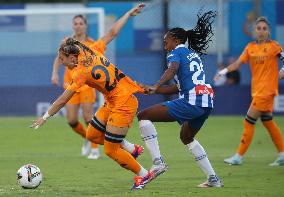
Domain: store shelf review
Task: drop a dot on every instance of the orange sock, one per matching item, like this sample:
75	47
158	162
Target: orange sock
275	134
246	137
78	128
122	157
94	145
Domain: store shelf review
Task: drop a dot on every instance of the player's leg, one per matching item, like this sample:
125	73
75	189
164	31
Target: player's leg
276	136
97	127
187	134
155	113
252	115
73	119
87	99
72	110
119	121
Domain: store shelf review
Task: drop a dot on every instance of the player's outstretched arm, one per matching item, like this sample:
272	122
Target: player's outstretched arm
234	66
116	27
167	89
55	107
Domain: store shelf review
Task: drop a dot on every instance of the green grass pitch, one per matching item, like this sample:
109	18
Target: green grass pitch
55	149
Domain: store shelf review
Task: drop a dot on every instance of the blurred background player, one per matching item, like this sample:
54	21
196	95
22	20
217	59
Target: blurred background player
85	96
262	56
195	101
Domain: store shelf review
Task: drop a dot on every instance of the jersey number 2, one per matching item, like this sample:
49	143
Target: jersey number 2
198	76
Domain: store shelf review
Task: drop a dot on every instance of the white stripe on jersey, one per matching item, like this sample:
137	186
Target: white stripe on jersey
205	100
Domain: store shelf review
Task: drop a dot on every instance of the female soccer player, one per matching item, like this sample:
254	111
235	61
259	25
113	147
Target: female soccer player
195	102
262	56
85	96
110	124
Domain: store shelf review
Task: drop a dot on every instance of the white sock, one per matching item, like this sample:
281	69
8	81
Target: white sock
95	150
149	136
238	156
129	147
143	172
200	157
281	154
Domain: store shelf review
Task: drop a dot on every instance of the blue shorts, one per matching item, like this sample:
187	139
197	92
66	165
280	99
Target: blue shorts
182	111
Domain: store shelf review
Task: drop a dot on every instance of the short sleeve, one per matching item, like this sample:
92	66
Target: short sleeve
78	80
276	48
173	57
99	45
245	56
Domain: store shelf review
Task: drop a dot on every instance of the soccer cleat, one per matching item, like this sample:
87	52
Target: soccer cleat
140	182
212	181
95	154
234	160
159	167
138	150
86	148
279	161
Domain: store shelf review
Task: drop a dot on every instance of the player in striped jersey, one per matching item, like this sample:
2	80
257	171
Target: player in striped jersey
195	101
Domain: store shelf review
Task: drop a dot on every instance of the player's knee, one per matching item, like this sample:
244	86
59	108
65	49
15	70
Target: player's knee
73	124
112	144
187	134
95	131
265	118
185	139
142	115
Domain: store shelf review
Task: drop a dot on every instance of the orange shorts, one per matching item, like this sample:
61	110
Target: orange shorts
263	104
118	115
87	95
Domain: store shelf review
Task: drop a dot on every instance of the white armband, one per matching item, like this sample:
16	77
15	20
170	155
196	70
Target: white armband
46	116
223	71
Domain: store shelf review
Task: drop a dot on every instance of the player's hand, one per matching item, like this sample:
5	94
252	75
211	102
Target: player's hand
217	77
37	123
136	10
54	80
151	89
281	74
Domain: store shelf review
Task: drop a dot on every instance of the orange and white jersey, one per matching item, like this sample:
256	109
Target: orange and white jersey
264	67
104	77
98	45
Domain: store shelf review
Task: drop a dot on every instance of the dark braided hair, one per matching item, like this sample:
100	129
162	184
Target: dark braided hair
198	37
72	47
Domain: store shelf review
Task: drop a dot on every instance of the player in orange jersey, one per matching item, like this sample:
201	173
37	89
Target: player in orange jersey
110	124
85	96
262	56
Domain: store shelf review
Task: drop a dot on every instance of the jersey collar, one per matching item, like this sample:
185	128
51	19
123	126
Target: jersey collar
180	45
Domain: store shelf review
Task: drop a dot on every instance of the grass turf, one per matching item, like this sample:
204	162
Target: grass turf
55	149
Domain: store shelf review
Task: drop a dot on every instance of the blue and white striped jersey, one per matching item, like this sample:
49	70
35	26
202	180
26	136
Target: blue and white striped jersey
190	77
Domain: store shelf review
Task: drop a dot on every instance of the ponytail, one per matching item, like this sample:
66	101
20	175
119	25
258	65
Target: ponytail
199	37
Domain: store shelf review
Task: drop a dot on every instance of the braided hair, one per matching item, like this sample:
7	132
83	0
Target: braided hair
72	47
198	37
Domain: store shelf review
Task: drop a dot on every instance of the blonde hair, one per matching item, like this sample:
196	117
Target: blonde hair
262	19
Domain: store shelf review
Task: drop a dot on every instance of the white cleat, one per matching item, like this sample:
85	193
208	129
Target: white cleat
159	167
279	161
234	160
86	148
212	181
95	154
